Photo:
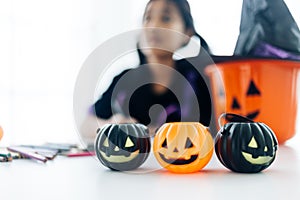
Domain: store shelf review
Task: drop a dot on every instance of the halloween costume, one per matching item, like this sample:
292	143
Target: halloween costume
131	94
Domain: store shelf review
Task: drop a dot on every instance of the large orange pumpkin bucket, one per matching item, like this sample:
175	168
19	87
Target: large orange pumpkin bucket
263	90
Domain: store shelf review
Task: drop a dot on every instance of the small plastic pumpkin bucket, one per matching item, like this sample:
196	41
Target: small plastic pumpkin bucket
183	147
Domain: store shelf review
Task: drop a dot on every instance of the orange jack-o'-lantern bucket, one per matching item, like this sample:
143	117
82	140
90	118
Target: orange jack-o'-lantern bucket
263	90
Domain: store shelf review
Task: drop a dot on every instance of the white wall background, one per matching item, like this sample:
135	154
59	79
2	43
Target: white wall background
43	44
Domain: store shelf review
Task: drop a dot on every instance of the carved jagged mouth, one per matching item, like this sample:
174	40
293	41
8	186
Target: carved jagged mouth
260	160
121	158
253	115
180	161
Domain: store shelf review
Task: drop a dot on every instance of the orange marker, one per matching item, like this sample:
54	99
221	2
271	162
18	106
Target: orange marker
1	132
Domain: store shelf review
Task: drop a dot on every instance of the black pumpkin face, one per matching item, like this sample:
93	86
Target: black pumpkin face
246	147
123	147
255	155
252	100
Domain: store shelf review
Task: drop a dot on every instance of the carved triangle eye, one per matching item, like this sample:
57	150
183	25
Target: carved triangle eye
164	144
253	90
235	104
129	143
188	143
253	143
105	143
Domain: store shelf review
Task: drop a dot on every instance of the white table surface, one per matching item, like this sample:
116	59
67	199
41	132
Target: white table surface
85	178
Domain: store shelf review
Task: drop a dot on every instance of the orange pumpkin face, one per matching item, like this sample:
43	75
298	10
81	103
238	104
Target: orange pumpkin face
183	147
251	98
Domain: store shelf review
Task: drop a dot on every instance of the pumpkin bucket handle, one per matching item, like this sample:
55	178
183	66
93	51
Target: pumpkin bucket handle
230	117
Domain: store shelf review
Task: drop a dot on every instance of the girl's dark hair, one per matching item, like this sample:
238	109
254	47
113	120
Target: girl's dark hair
185	11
